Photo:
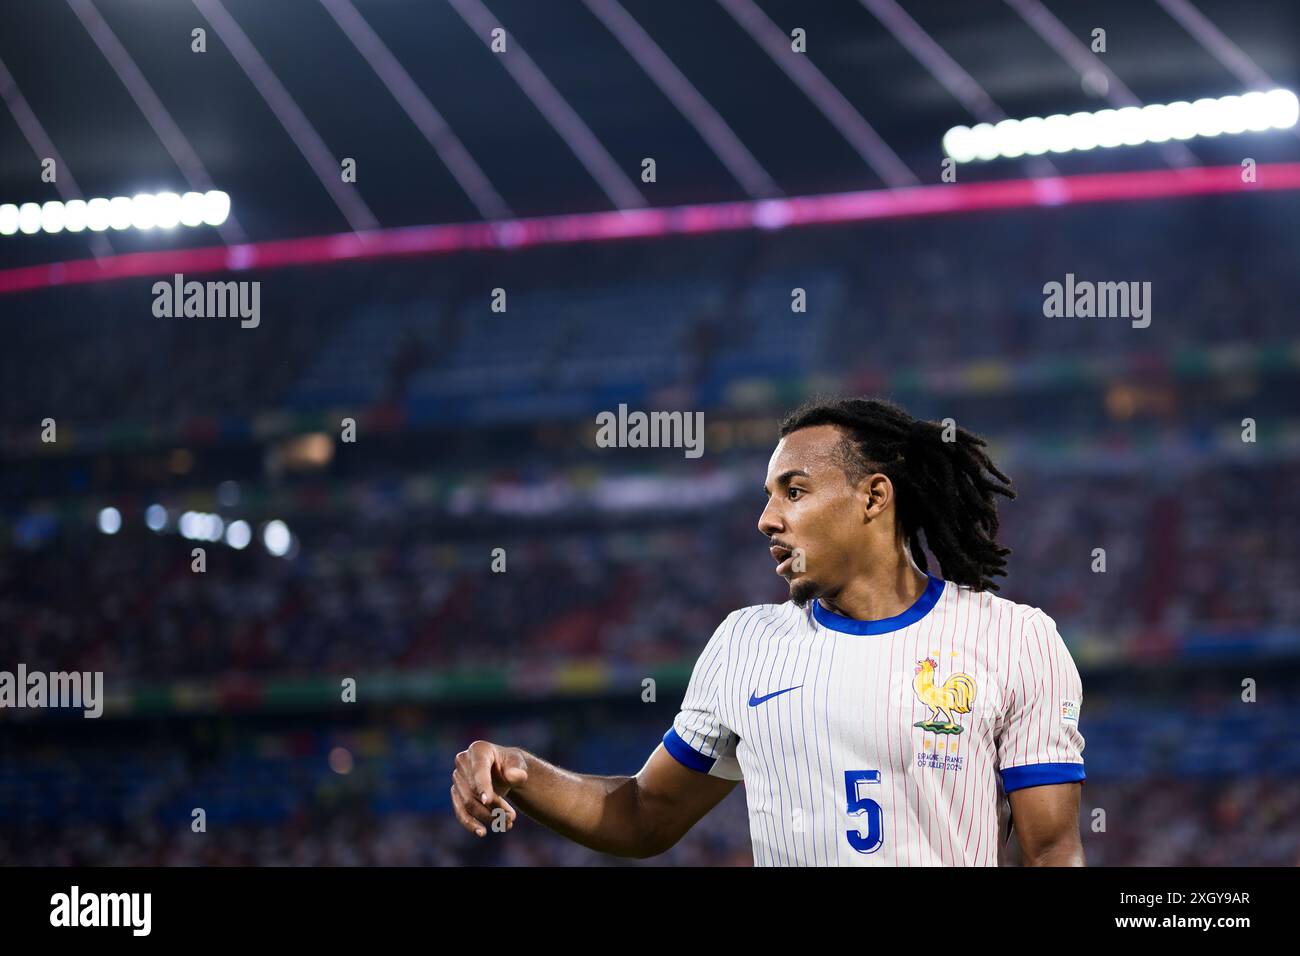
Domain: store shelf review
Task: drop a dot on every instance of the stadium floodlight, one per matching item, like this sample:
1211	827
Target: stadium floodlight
110	520
74	215
120	213
192	209
200	526
97	215
52	216
238	534
29	218
155	516
276	538
144	211
216	207
167	210
143	215
1254	112
190	525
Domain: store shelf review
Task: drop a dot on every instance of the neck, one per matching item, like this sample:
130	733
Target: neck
873	596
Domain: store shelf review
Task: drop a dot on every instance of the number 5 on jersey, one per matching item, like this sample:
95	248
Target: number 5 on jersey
870	841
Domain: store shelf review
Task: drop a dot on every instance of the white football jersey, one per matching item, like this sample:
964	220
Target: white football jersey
883	743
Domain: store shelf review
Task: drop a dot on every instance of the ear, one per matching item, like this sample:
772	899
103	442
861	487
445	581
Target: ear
875	492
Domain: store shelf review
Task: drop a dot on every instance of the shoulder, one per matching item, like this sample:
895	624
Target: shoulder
1024	636
1003	613
760	617
764	614
741	626
1037	652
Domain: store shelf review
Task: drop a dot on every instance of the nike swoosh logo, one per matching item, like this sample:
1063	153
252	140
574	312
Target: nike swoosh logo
755	700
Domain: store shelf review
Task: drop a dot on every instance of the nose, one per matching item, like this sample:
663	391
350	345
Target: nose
769	522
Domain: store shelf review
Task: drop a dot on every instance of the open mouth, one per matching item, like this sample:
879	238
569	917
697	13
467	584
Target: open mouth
783	556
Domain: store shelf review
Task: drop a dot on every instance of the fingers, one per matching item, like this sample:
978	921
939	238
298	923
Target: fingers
474	797
467	795
500	801
479	760
510	770
471	812
468	822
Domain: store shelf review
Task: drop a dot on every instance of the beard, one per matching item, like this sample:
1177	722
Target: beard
803	590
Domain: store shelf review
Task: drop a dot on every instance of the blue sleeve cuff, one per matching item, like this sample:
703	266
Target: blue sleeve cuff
1038	774
686	755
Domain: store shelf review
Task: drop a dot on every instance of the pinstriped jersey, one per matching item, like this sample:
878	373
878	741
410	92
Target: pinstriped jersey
883	743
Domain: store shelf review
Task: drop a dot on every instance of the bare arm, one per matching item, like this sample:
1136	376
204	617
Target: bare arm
1046	822
638	816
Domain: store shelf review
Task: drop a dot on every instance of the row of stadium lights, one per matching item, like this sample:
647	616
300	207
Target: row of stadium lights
145	211
1130	126
203	526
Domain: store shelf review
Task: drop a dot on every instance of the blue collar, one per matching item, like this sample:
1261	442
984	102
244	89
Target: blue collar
838	622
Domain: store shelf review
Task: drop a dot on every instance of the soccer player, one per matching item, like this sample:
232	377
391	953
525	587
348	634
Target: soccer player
883	716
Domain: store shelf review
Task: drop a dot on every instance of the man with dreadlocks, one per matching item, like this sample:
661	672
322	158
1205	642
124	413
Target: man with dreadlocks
883	716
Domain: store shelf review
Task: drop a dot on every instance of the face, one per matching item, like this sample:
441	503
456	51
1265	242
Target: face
814	520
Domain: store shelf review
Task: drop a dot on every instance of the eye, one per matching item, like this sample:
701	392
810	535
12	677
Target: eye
793	492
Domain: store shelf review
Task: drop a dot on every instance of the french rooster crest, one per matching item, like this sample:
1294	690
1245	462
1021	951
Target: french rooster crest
954	696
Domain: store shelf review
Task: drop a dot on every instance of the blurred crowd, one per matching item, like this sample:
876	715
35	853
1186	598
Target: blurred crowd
1188	559
297	802
1156	822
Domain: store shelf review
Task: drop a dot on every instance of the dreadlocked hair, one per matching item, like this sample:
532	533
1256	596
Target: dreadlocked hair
943	488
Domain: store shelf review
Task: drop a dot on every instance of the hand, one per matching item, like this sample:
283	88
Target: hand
484	774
